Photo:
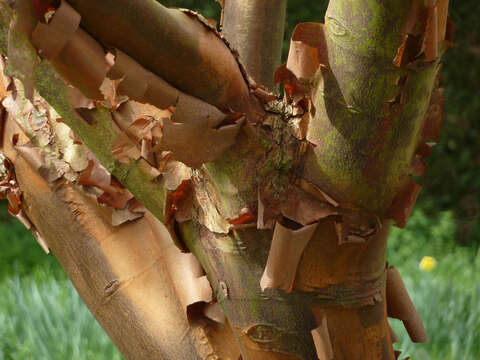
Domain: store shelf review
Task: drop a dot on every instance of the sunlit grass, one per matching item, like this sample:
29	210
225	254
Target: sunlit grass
447	297
43	318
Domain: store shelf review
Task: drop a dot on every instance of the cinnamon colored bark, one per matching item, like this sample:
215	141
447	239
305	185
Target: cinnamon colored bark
171	44
256	29
121	273
331	163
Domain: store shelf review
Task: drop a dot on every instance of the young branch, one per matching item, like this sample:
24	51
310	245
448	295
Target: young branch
256	29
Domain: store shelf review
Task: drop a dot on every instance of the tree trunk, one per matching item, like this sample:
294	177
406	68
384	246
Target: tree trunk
286	204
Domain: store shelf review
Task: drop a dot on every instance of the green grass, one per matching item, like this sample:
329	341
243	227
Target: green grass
448	297
42	317
19	252
41	314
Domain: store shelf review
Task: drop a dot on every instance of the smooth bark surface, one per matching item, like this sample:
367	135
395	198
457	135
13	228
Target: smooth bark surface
256	29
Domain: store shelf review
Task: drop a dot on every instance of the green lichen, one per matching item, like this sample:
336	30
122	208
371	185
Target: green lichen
99	136
5	18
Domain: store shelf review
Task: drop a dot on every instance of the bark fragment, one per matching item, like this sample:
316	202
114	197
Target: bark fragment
400	306
303	209
51	39
403	204
321	337
285	252
187	275
77	56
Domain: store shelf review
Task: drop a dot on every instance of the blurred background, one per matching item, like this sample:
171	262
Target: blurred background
42	317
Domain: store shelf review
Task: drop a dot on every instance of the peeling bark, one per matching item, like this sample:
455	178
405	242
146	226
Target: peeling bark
286	204
113	274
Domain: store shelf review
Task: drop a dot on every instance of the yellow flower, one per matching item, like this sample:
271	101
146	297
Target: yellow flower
428	263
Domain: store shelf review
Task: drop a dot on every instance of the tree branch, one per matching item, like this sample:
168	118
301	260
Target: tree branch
344	158
113	268
174	45
256	29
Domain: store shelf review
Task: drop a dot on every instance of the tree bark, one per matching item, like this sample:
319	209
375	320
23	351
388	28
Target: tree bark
290	219
256	30
126	284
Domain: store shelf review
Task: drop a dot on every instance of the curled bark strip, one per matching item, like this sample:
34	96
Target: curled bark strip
51	39
321	338
264	220
356	226
307	50
424	33
245	219
316	192
194	145
186	273
214	312
140	84
124	215
352	224
307	54
194	133
285	252
303	209
74	53
403	204
400	306
175	198
96	175
32	154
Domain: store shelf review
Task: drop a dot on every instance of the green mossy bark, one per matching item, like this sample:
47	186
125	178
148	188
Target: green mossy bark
274	320
98	136
5	17
366	127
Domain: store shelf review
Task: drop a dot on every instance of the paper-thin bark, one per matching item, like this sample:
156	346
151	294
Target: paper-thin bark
114	274
187	54
346	135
